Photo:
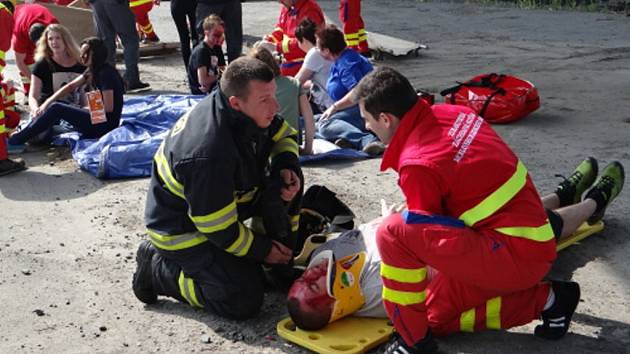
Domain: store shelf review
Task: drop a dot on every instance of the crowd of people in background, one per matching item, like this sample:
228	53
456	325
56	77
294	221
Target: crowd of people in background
316	66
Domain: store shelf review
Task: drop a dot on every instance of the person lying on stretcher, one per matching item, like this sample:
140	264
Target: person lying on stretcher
343	275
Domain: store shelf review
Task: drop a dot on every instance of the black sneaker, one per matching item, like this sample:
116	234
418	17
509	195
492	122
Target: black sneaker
571	189
138	87
143	277
9	166
606	189
344	144
397	345
557	318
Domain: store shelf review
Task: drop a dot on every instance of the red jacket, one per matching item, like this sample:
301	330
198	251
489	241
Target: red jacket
25	16
284	33
6	30
449	160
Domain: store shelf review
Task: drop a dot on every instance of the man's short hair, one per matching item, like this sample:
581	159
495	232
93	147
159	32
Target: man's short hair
210	22
304	319
266	57
235	80
385	90
306	30
331	38
36	31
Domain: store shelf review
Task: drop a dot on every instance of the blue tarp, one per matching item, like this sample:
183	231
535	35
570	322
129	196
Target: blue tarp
128	150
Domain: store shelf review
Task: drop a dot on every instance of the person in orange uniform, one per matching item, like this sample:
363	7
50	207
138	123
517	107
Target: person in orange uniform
30	21
283	36
8	116
141	9
474	215
353	26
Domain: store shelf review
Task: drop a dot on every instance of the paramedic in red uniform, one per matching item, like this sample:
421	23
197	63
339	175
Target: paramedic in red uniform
353	26
8	116
141	9
283	36
26	18
474	215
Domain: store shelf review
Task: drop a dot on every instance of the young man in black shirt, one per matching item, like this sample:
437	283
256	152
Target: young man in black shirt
207	61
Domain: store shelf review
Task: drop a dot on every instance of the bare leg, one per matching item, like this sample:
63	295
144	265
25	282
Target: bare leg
551	201
574	215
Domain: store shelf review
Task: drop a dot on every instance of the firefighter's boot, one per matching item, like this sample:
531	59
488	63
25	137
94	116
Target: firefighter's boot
143	277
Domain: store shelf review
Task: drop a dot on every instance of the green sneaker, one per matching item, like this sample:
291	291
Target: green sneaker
606	189
571	189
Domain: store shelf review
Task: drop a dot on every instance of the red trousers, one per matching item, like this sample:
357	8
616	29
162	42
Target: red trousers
142	18
479	283
353	26
9	118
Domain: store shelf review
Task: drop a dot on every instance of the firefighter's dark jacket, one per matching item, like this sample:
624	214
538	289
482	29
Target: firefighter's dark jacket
207	174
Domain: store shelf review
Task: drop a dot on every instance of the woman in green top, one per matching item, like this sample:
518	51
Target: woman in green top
291	98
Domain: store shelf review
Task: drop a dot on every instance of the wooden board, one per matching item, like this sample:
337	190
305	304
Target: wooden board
383	46
348	335
77	20
151	50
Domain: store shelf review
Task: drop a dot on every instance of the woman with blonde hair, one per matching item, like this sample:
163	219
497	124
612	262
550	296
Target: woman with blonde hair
292	99
57	62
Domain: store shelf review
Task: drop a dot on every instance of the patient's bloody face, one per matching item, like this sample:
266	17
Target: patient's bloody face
310	288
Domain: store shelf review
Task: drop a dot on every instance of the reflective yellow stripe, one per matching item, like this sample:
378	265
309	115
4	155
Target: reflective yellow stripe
176	242
147	29
540	234
241	246
285	44
467	321
187	290
352	43
403	275
295	222
285	145
164	171
493	313
403	297
498	198
2	55
246	197
284	131
217	221
351	35
139	2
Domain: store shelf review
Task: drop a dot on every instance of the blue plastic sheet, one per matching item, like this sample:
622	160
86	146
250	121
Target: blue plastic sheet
128	150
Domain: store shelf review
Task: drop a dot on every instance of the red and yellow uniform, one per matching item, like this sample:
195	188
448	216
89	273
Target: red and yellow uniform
141	9
6	30
353	26
475	216
25	16
284	33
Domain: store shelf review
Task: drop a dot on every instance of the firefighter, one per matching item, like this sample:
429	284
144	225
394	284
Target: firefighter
30	22
283	40
353	26
474	214
229	160
141	9
8	116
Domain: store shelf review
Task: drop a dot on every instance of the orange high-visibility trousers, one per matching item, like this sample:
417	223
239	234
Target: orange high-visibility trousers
479	283
353	26
141	9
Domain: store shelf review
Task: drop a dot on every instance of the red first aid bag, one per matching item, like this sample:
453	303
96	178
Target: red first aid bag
496	98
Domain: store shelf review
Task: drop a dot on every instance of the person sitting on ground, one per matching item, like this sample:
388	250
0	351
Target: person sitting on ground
207	60
102	80
315	70
291	98
57	62
316	298
30	22
341	123
477	217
